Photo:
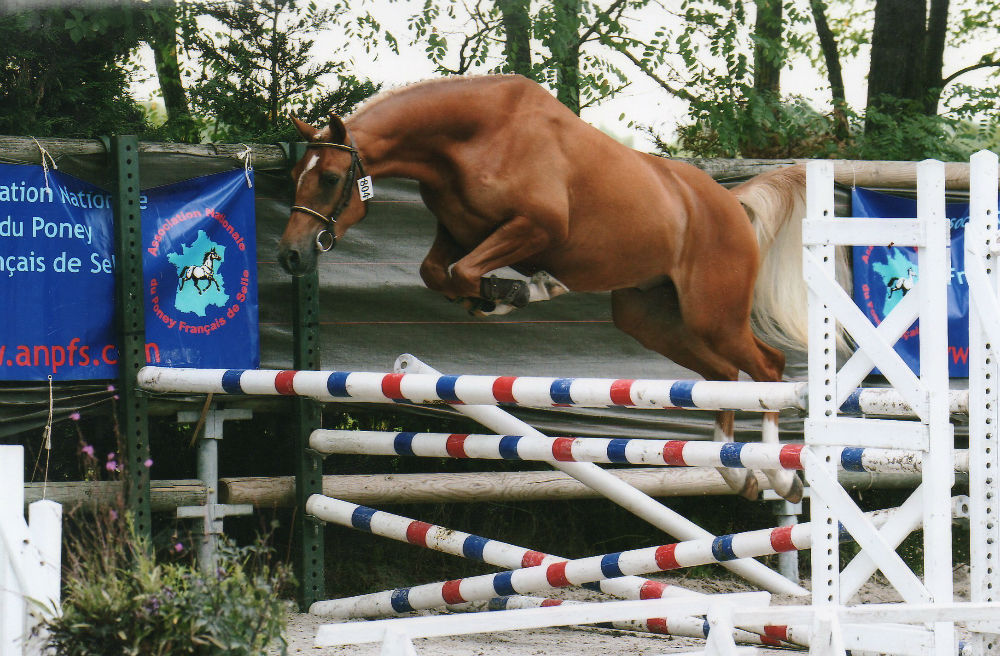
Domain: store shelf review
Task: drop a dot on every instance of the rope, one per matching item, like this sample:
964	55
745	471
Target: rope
247	157
45	164
48	441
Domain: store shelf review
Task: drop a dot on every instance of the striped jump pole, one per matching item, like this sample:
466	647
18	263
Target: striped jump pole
526	391
578	572
318	384
751	455
684	626
466	545
508	556
614	489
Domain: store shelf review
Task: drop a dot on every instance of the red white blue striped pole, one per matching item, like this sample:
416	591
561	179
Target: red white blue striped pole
613	488
508	556
685	626
525	391
540	392
467	545
678	453
578	572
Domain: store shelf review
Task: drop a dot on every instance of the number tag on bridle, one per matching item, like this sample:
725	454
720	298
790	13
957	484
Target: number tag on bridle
365	188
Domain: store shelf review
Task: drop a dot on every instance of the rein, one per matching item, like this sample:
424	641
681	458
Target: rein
330	220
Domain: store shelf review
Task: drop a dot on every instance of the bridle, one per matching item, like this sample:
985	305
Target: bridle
330	220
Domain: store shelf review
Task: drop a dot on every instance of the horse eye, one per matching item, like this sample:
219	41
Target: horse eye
329	177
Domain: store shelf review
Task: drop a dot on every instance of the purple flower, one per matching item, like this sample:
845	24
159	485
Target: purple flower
178	547
113	514
111	466
87	449
75	416
111	456
111	388
147	463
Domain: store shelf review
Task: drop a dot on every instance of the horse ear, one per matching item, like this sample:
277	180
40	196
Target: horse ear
338	132
307	131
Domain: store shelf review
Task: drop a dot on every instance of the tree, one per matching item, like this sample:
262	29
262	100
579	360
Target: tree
163	22
517	35
63	72
906	80
834	72
768	52
498	37
257	67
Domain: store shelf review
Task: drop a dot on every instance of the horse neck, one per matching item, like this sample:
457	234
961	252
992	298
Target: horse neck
406	136
209	264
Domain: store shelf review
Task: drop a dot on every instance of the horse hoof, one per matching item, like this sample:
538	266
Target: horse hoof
505	291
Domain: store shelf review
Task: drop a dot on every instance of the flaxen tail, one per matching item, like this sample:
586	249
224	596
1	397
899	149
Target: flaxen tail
776	203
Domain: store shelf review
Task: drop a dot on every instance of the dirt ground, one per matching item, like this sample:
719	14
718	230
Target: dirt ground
571	641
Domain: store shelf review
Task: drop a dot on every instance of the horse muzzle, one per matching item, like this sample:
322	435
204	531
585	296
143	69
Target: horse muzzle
297	261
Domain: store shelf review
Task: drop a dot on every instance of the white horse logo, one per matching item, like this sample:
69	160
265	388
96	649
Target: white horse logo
900	284
204	272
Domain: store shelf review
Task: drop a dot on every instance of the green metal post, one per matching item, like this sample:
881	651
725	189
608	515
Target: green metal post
133	420
309	466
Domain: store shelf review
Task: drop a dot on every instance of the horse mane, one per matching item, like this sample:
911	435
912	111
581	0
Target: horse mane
432	82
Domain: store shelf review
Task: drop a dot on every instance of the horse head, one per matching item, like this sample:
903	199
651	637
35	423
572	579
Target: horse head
327	202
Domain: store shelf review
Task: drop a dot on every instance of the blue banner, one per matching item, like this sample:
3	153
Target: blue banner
200	265
883	275
57	278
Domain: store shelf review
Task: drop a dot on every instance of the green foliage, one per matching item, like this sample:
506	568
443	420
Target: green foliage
758	125
257	69
64	72
897	132
119	601
572	36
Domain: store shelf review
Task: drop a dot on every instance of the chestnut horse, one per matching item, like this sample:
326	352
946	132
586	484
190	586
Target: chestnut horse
516	179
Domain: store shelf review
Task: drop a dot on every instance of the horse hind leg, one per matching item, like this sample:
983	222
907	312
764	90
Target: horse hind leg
734	341
652	318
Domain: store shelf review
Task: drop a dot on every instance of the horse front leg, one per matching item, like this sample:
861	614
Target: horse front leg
442	254
514	241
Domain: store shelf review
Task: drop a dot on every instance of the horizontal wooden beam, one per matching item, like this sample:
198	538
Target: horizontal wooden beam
24	149
166	495
375	489
888	175
849	172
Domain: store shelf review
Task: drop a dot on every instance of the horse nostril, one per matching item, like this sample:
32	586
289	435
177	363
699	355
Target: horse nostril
290	259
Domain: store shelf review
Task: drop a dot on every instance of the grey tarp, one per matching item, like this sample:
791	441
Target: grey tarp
374	307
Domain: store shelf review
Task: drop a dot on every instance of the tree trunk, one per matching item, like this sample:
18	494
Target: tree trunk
517	35
898	58
768	51
834	74
163	41
565	47
937	32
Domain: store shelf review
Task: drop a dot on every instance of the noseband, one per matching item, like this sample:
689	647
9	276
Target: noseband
345	196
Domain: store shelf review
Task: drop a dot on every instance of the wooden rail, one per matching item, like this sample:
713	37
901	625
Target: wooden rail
888	175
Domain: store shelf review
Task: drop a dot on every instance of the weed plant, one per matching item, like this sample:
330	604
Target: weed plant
120	600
